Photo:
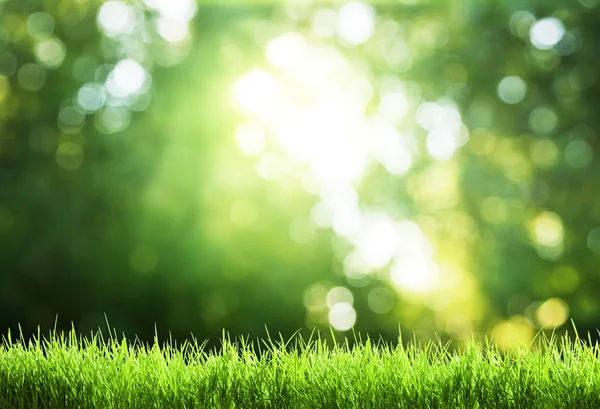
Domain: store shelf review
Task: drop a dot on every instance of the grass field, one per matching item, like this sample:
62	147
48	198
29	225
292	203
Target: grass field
71	371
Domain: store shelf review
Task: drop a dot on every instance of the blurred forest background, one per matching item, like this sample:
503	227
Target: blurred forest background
202	166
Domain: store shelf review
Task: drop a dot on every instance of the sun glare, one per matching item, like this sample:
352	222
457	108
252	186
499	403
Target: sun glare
315	108
257	93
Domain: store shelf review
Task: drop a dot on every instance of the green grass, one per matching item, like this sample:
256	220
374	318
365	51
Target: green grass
71	371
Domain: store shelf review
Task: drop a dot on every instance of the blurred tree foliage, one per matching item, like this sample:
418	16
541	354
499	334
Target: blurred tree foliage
131	200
